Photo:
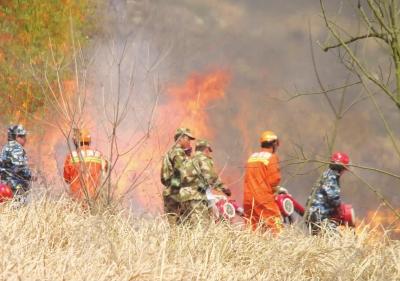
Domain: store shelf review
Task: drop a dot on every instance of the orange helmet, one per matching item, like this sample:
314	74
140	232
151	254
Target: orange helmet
82	136
85	136
268	136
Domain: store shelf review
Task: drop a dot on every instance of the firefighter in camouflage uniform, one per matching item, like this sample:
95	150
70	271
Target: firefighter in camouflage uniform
172	173
323	204
14	163
200	175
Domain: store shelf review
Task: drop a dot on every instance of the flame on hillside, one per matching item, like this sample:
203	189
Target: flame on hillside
47	146
187	105
384	219
193	99
380	222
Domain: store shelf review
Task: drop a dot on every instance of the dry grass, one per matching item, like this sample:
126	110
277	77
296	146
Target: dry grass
56	240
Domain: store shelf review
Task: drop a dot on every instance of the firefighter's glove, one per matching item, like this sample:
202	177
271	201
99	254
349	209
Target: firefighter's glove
227	192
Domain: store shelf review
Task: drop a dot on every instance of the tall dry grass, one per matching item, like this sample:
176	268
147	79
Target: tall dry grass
57	240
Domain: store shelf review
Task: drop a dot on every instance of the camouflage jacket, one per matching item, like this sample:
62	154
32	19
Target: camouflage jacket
177	157
199	175
327	196
15	161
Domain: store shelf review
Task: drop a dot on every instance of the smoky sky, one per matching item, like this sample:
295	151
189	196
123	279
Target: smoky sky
265	46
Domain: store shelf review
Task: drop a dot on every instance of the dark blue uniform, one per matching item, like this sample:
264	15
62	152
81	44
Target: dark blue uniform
15	163
326	200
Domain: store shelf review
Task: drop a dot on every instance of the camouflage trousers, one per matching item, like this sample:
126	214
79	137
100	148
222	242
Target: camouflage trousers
172	209
196	213
192	212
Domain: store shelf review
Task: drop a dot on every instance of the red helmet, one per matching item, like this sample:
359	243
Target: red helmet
5	193
340	158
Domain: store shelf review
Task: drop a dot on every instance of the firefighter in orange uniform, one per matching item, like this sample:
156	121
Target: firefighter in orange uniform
261	181
84	168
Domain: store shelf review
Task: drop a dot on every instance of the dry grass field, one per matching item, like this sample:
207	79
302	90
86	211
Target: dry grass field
57	240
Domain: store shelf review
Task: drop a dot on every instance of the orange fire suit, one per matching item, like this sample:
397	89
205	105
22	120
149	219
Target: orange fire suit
261	179
83	171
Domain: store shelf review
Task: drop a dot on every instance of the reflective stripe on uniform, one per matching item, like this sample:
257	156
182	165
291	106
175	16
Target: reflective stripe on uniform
260	157
87	160
88	156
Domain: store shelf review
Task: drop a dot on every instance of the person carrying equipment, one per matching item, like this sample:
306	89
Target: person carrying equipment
323	204
200	177
14	169
261	180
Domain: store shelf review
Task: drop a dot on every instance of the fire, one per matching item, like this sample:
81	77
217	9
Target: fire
46	145
187	105
192	100
384	220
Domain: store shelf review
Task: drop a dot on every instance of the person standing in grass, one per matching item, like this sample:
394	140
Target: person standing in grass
84	168
172	173
325	201
261	180
14	163
200	176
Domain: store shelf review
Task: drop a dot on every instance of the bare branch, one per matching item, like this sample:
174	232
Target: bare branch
386	124
378	194
356	38
324	92
379	16
309	160
364	71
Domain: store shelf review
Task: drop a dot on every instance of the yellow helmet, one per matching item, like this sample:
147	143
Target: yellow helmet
85	136
268	136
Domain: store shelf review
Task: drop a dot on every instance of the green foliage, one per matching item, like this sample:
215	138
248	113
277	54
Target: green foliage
31	32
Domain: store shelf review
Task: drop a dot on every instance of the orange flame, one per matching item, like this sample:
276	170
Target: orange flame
187	106
46	145
192	100
381	221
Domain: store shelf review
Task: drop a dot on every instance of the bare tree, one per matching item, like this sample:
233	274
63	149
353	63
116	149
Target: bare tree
70	108
379	23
